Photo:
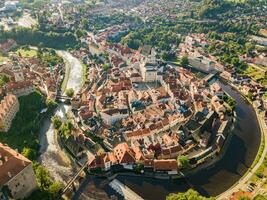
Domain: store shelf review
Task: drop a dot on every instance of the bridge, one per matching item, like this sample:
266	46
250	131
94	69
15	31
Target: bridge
209	77
71	181
62	97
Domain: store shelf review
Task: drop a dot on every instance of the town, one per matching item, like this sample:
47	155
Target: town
97	96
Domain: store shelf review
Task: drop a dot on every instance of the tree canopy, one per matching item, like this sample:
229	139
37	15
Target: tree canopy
189	195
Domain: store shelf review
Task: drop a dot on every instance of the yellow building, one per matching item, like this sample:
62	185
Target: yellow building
9	106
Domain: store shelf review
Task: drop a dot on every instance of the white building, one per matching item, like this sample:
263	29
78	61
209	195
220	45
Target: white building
202	63
112	116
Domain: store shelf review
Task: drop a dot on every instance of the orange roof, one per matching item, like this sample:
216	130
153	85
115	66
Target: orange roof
12	163
124	154
11	86
165	165
239	194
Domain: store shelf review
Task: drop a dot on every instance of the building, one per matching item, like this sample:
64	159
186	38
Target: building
17	179
19	88
9	106
149	68
149	71
202	63
112	116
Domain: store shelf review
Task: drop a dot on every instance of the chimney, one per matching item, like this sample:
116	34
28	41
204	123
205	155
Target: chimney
9	174
6	158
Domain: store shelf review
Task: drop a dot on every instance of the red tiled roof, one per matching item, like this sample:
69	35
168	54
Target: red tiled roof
165	165
12	163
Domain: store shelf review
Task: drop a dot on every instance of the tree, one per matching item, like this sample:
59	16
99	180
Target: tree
69	92
260	197
29	153
4	79
80	33
244	198
50	103
184	162
250	95
106	67
189	195
56	122
53	189
42	177
185	61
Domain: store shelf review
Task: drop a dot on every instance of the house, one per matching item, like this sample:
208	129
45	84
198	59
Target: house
103	161
17	179
169	165
9	106
201	63
216	90
124	154
19	88
241	195
111	116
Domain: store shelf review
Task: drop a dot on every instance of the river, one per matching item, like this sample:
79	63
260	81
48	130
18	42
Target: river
220	177
52	158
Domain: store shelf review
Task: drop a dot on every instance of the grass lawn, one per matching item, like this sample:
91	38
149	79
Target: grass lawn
2	58
254	73
25	126
27	53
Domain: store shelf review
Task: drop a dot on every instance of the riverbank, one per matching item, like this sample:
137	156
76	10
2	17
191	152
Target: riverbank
259	159
52	157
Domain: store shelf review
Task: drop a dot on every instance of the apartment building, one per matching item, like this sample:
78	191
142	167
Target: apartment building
17	179
9	106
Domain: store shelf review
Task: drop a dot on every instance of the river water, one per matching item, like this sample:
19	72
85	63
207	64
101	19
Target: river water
58	165
217	179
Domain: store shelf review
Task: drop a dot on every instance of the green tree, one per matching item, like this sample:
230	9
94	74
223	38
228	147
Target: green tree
184	161
80	33
50	103
244	198
42	177
185	61
250	95
3	79
56	122
260	197
189	195
53	189
29	153
69	92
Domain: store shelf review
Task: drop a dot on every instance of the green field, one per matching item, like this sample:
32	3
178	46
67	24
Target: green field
27	53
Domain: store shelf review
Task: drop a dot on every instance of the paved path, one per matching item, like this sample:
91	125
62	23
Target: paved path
244	180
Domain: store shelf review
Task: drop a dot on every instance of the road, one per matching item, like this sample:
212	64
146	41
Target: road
57	163
244	180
